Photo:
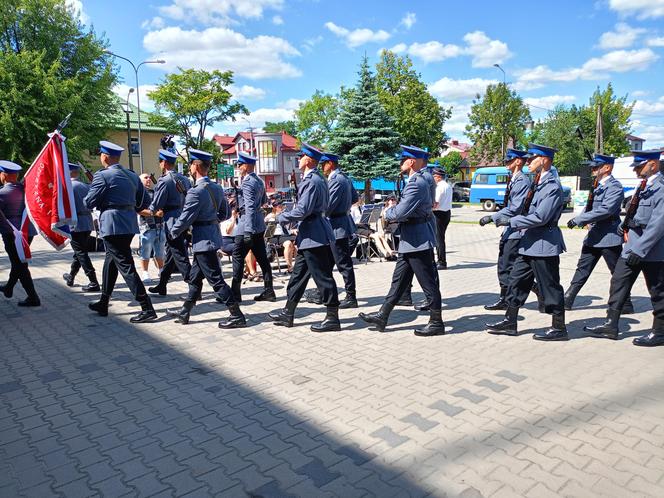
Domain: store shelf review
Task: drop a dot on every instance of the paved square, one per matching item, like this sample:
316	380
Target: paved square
96	406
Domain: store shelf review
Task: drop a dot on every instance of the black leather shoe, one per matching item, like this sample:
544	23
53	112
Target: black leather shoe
7	291
628	308
650	340
101	306
551	334
266	295
91	287
330	323
236	320
160	290
284	317
379	318
406	300
313	296
30	302
500	305
441	266
69	279
570	296
507	326
423	305
434	327
609	329
348	302
144	316
181	315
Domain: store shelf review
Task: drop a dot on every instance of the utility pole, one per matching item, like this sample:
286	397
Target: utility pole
599	131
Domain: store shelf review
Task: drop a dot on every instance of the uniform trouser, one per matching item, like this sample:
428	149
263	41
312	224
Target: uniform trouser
81	259
420	264
546	271
508	250
434	273
257	247
206	266
589	258
442	221
316	263
623	279
19	271
176	257
119	259
342	257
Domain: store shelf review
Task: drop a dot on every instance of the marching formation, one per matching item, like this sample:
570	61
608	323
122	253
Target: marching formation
528	257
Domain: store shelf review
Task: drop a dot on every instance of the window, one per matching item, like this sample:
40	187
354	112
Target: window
267	156
482	179
134	147
502	179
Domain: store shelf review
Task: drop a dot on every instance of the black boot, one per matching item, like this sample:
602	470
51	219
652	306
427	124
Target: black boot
236	320
350	301
557	332
267	295
284	317
313	296
101	306
93	286
69	279
499	305
570	296
7	290
406	299
30	301
330	323
628	307
434	327
609	329
160	288
423	305
182	315
507	326
147	313
379	318
654	338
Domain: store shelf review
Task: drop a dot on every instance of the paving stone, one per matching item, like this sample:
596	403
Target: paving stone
9	387
89	368
419	421
389	436
472	397
514	377
446	408
270	490
51	376
495	387
318	472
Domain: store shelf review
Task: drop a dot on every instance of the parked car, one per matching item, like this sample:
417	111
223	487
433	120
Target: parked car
461	191
488	187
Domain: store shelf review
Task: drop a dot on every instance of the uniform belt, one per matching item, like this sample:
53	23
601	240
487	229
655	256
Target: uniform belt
83	213
204	223
337	215
171	208
416	221
121	207
312	217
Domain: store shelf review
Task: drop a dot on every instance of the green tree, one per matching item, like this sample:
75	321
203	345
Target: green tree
451	162
417	115
496	118
190	101
50	66
616	119
558	130
316	118
365	137
289	127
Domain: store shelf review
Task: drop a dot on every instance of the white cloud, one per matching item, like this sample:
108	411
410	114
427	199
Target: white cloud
277	20
154	23
642	9
408	20
76	7
645	108
290	104
624	36
450	89
618	61
434	51
456	125
357	37
639	93
247	92
217	12
223	48
654	134
122	90
485	51
656	42
549	101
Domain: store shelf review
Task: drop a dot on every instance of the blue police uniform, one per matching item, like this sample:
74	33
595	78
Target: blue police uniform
169	195
250	235
80	235
12	206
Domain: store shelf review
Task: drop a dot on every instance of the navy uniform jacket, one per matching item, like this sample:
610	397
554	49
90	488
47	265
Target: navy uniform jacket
83	214
314	230
542	237
252	197
342	196
12	204
204	215
414	214
520	185
168	198
426	173
118	194
604	216
648	241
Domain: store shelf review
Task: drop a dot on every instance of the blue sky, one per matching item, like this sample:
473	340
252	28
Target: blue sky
281	51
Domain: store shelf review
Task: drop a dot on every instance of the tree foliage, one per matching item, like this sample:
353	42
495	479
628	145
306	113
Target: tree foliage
190	101
365	137
450	162
317	117
417	115
497	118
51	65
289	127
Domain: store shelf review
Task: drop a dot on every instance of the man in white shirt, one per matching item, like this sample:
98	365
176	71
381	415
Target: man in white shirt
442	210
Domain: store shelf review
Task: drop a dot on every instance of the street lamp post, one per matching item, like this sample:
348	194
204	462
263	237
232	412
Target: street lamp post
502	119
138	97
127	111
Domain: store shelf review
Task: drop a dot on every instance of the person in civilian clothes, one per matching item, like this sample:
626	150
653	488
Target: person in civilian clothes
314	237
12	205
80	235
251	229
118	194
539	251
643	252
515	195
603	239
442	210
168	199
204	207
152	236
413	212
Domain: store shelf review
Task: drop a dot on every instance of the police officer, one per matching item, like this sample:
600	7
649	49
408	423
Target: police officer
603	239
251	229
414	214
515	195
118	194
12	206
314	236
539	250
80	234
204	207
168	199
643	252
342	196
